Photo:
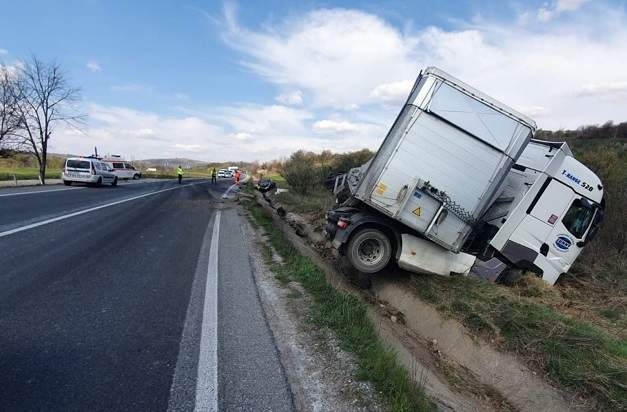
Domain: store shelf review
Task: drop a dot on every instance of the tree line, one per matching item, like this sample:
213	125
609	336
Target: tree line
35	100
607	130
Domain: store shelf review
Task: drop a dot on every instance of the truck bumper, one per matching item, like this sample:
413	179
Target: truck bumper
423	256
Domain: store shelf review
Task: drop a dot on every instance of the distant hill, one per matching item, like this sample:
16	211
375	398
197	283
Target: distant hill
172	162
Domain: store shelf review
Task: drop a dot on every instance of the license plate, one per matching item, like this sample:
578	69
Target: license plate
75	174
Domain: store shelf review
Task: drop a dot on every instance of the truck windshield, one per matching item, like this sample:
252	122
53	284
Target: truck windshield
578	218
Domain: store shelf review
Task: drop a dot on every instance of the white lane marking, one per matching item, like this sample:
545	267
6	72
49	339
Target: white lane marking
92	209
40	191
207	378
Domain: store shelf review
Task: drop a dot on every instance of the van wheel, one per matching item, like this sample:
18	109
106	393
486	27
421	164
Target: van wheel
369	250
135	176
99	182
67	183
115	182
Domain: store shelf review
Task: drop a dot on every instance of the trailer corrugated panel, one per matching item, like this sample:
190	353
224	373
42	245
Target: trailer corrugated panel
444	159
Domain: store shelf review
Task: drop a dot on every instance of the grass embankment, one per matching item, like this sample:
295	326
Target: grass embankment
276	178
346	316
27	173
576	355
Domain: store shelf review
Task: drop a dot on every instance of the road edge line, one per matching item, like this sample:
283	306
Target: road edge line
207	376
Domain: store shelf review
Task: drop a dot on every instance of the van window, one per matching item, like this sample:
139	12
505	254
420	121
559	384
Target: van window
118	165
77	164
129	166
578	217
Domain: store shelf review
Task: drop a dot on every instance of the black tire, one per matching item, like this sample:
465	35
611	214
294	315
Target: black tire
115	182
510	277
135	176
369	250
99	182
67	183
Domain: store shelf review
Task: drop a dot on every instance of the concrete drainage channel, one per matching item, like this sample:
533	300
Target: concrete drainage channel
458	371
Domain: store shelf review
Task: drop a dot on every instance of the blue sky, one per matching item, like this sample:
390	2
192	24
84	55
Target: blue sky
214	80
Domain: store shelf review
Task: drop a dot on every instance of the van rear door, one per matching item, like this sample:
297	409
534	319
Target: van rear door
78	168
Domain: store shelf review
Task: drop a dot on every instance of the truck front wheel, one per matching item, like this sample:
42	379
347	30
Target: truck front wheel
369	250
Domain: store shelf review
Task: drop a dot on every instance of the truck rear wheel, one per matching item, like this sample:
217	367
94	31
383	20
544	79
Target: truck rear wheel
369	250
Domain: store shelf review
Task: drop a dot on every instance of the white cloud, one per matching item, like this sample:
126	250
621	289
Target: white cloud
395	92
334	126
348	59
3	52
605	90
291	98
338	56
553	10
93	66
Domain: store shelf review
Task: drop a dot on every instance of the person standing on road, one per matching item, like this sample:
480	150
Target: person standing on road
237	176
213	175
179	173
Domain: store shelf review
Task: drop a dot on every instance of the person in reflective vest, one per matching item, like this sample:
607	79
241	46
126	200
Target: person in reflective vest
179	173
213	175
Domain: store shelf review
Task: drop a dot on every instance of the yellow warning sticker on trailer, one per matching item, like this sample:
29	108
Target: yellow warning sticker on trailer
416	211
380	189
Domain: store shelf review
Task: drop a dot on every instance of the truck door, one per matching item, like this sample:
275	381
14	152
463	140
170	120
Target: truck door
567	216
568	234
528	243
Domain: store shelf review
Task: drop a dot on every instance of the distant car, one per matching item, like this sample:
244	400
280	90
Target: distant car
88	170
265	185
123	169
224	173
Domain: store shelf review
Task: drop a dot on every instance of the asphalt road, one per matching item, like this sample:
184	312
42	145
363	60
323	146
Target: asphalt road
139	297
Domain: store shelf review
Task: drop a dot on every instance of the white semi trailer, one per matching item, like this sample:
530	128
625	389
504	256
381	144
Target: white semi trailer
459	186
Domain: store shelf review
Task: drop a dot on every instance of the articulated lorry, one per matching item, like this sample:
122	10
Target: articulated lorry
459	186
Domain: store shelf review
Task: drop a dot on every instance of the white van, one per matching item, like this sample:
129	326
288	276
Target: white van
87	170
123	169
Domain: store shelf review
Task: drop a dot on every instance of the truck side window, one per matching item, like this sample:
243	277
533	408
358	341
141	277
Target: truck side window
578	217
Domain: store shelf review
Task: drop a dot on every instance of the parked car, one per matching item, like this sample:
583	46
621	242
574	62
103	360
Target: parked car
123	169
222	173
88	170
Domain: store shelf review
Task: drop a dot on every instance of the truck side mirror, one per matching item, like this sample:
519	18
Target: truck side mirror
581	243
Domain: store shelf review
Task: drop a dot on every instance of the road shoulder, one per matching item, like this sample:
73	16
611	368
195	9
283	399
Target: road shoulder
321	375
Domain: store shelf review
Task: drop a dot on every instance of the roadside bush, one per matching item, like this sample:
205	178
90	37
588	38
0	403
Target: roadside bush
609	161
305	172
301	173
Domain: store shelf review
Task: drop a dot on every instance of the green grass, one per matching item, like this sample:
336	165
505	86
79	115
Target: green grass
276	178
315	204
574	354
27	173
346	316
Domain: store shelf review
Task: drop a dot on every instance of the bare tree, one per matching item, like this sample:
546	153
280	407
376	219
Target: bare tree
46	101
9	113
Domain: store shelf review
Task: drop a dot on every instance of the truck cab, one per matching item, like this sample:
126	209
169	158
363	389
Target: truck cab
560	212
